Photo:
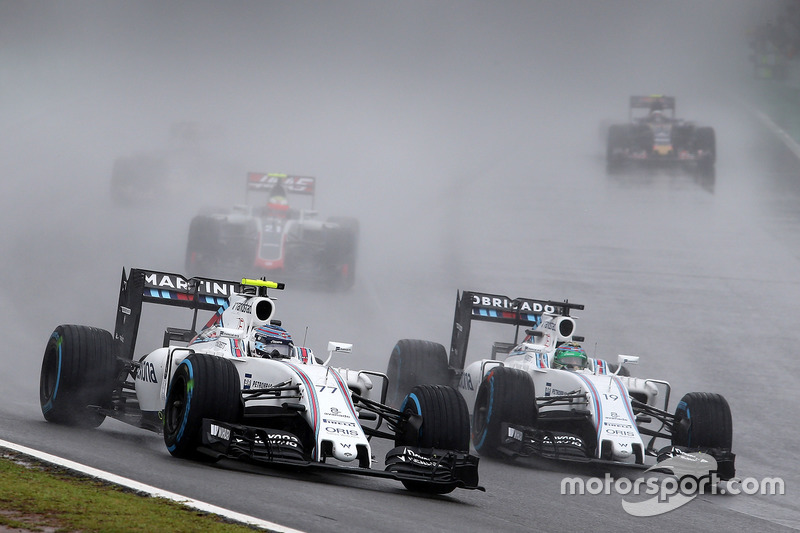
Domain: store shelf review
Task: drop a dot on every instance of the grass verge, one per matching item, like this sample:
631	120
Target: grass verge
38	497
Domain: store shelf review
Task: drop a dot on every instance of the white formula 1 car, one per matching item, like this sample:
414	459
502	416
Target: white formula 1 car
527	405
240	389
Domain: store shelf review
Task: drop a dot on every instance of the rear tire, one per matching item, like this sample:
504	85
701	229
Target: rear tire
505	395
204	386
415	362
612	367
703	420
78	371
445	426
201	245
341	252
706	140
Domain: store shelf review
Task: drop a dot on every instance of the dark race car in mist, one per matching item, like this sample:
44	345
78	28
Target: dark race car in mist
543	396
653	136
239	388
188	160
273	237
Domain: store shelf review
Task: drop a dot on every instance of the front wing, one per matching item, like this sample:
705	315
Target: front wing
276	447
523	441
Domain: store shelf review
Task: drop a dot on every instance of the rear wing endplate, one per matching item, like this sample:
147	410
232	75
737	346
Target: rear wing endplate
150	286
519	312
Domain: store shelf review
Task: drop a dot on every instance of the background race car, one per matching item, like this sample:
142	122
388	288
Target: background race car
654	136
542	395
240	389
277	233
188	159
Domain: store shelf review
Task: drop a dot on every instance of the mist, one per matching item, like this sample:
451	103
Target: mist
410	115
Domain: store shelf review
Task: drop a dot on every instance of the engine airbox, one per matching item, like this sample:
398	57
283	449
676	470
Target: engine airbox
262	310
565	328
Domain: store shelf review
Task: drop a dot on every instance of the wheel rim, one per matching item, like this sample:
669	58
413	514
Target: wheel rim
49	377
479	418
176	406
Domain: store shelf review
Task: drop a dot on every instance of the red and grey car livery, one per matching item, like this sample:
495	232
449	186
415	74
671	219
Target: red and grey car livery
277	233
239	388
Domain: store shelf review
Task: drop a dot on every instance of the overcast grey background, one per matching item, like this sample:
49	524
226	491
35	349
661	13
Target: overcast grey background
465	138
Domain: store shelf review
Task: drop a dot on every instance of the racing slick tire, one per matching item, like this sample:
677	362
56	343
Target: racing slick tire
204	386
415	362
612	368
505	395
445	425
703	420
705	139
78	374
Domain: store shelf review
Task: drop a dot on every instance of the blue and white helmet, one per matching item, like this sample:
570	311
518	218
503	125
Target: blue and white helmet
272	342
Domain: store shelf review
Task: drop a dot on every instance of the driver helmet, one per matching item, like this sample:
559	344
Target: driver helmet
278	206
656	115
272	342
278	203
570	356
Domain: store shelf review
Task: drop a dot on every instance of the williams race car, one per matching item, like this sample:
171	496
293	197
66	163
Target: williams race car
239	388
654	136
270	236
545	397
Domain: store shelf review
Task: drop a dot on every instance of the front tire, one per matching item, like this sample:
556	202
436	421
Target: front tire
703	420
415	362
204	386
505	395
78	374
617	140
445	426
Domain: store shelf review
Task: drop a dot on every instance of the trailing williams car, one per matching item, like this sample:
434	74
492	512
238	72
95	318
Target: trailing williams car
546	397
654	136
239	388
271	236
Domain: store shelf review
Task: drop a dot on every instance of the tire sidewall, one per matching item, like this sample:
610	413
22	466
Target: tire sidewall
78	374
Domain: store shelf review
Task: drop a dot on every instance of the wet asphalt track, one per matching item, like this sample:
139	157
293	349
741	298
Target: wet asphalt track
698	278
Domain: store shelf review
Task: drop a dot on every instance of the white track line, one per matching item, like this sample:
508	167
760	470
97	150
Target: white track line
147	489
780	132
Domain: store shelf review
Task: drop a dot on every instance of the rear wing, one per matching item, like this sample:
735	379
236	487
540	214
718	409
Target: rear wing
297	185
260	181
500	309
150	286
652	102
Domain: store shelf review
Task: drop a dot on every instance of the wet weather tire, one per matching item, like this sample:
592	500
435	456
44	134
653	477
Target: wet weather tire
617	140
78	374
703	420
706	140
445	426
200	245
505	395
204	386
415	362
341	252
